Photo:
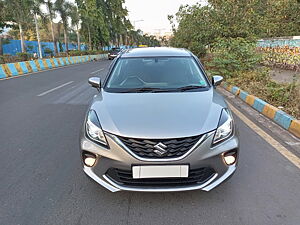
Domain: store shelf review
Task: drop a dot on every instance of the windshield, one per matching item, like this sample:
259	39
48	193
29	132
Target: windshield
156	74
115	49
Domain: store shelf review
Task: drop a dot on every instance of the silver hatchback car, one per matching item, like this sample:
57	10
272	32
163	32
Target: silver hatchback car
158	124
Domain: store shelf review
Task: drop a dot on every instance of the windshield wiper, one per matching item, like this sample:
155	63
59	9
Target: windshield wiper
144	89
191	87
153	90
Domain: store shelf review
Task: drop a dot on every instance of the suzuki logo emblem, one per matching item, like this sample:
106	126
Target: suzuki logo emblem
160	149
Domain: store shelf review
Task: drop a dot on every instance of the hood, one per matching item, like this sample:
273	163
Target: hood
159	115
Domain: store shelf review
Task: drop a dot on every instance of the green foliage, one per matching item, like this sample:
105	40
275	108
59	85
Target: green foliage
101	20
4	16
20	57
90	52
231	56
62	54
48	51
200	26
75	52
259	83
24	56
63	8
95	22
136	38
60	46
282	57
29	47
279	92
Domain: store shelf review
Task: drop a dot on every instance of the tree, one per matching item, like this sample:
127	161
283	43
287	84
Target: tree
51	16
64	9
4	17
118	25
108	21
19	11
164	41
200	26
75	22
35	9
94	27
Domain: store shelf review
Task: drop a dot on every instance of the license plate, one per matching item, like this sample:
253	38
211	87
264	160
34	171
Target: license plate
160	171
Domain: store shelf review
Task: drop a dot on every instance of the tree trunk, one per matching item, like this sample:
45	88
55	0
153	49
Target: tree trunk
90	41
53	37
1	48
38	36
122	39
66	40
125	39
78	39
22	38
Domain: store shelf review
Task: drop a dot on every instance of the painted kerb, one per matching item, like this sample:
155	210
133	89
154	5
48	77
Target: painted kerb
278	116
19	68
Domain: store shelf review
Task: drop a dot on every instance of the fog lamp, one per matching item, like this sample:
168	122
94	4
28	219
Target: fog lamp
230	158
89	161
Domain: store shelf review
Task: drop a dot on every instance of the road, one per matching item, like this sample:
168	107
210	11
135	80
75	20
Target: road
42	181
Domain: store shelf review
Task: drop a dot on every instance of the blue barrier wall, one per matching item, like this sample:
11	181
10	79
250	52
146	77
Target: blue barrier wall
14	46
279	42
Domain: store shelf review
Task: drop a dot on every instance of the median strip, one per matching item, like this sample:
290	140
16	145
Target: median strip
10	70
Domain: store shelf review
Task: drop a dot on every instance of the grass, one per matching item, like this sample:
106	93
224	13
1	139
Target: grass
259	84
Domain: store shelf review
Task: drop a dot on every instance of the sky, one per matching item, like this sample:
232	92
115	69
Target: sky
154	13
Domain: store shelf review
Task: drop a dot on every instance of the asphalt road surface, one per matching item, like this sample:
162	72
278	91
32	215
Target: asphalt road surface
42	182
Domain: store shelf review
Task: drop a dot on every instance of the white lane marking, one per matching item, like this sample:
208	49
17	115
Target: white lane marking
97	71
53	89
275	144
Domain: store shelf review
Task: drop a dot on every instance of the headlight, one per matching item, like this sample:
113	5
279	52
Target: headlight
225	127
93	128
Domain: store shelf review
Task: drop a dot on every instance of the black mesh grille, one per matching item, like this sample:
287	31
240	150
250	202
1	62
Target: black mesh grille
173	148
196	177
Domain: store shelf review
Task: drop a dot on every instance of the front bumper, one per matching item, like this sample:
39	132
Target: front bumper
204	155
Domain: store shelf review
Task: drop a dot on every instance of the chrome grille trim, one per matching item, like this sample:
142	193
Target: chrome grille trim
122	145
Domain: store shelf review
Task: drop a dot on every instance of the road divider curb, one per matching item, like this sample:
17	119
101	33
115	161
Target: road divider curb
278	116
9	70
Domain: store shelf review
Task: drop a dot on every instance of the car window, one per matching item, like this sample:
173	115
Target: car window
158	72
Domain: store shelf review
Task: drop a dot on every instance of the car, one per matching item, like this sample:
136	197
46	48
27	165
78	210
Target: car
158	124
113	53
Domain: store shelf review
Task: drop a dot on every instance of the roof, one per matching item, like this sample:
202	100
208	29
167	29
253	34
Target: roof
154	52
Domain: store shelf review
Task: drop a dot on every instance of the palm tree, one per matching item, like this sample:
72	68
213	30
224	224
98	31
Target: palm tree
19	12
51	16
75	22
35	9
64	9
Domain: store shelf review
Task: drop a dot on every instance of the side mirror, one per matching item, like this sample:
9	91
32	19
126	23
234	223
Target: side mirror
95	82
217	80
